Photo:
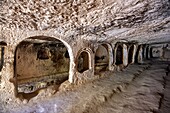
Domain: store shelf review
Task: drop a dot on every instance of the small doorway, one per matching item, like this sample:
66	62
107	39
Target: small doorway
83	62
119	55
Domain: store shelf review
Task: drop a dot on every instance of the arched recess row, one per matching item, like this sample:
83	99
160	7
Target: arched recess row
103	57
84	60
42	61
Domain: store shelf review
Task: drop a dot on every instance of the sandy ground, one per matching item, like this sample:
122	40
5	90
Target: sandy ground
136	89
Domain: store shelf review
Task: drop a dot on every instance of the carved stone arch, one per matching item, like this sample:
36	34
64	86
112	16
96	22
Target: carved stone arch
139	54
84	60
118	54
51	79
70	51
131	53
103	57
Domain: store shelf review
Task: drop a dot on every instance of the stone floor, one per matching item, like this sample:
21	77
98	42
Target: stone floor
136	89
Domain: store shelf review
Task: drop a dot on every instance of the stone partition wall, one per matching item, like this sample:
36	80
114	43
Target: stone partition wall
144	52
111	56
132	53
125	55
140	54
149	52
87	74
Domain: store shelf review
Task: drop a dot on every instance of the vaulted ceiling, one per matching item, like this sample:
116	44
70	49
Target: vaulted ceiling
144	21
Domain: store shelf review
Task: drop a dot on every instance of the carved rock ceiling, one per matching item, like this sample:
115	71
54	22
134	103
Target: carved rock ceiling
132	20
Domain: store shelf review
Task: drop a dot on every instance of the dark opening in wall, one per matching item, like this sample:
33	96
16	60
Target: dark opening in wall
66	54
83	62
43	53
151	49
2	50
119	55
137	54
1	57
143	51
147	52
130	54
40	62
101	58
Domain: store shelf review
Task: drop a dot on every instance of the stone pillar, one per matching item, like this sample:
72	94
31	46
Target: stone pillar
8	81
134	54
72	62
110	50
144	51
113	57
161	53
149	52
140	56
125	55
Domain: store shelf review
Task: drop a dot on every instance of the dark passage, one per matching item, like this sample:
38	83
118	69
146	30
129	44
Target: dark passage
130	54
119	55
83	62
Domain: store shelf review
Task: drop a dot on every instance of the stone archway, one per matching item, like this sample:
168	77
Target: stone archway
83	62
119	55
130	54
41	61
102	58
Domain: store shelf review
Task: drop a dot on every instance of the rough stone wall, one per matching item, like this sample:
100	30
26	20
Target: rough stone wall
157	52
166	53
29	66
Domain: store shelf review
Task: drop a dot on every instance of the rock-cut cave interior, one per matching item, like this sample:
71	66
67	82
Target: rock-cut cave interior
84	56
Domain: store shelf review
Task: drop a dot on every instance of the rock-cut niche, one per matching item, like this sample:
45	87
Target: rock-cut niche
40	62
101	58
119	55
83	62
130	54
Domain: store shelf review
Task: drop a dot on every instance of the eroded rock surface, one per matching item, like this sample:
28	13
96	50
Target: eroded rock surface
127	18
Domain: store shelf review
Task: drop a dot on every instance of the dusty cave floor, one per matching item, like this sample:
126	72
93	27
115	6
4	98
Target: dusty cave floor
136	89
